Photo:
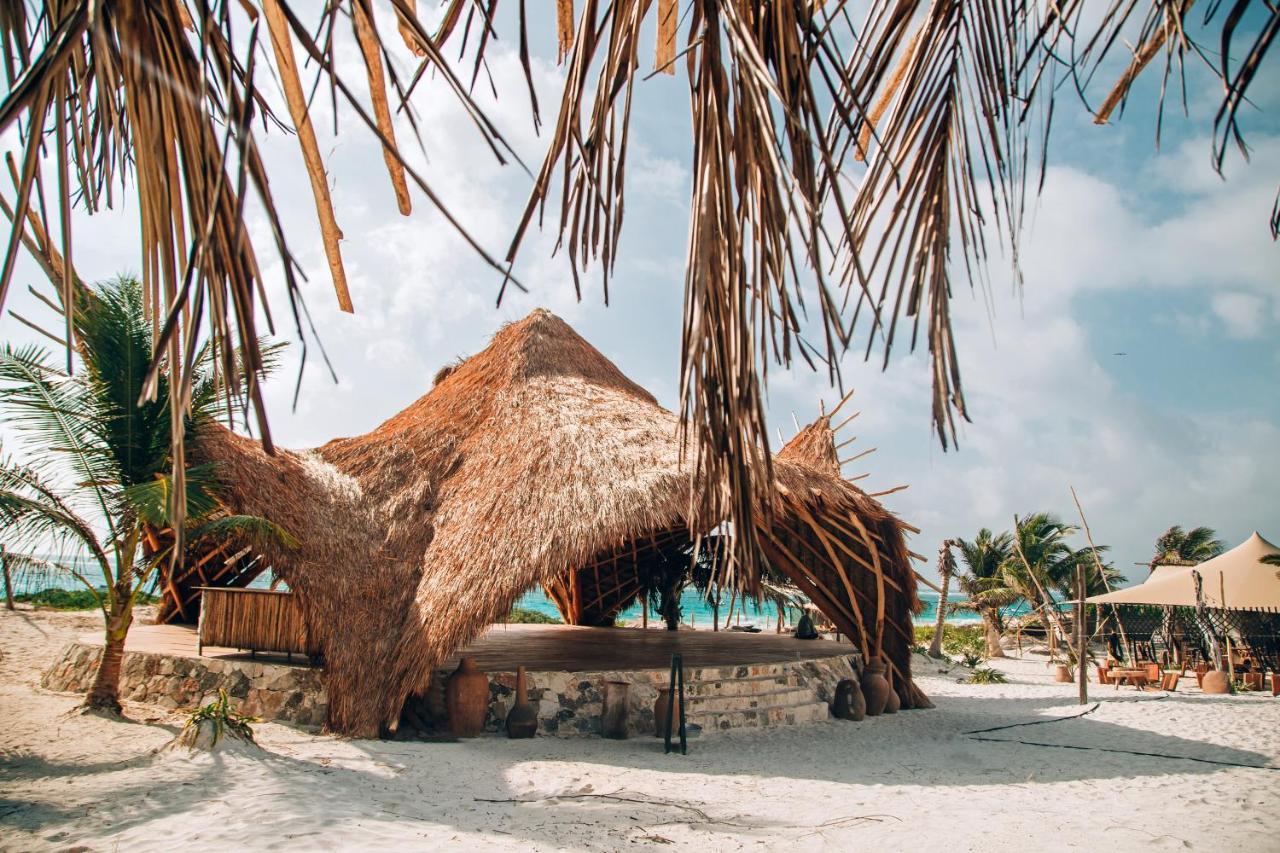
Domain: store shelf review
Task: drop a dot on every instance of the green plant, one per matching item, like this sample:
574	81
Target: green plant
72	599
101	474
971	659
522	615
987	675
223	718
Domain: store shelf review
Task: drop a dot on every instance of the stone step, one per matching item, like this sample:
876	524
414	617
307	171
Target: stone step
756	718
750	685
745	702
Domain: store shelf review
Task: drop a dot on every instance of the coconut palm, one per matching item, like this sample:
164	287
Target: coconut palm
983	584
941	100
1180	546
101	478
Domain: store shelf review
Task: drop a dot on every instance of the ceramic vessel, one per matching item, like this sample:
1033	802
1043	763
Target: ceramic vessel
893	703
1063	673
466	697
1215	681
849	703
613	718
875	688
660	706
522	719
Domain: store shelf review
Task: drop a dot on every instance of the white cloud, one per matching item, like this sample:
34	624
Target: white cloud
1243	314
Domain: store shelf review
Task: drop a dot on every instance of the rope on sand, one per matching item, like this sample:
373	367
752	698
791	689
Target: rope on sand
1033	722
1128	752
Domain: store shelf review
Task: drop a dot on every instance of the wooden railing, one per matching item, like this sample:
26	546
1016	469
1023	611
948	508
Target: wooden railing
259	620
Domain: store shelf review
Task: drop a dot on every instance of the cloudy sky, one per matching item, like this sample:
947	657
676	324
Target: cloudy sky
1139	364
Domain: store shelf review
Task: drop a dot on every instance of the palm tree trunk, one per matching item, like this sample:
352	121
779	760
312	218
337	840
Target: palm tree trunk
105	694
935	648
994	650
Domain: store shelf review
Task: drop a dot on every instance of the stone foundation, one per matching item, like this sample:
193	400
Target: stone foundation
269	691
717	698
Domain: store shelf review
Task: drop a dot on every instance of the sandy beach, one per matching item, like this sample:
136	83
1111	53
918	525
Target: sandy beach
992	767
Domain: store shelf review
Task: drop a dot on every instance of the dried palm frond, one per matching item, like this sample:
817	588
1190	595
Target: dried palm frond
160	97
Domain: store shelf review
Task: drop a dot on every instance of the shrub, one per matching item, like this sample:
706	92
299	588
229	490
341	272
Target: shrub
522	615
219	714
970	659
69	599
987	675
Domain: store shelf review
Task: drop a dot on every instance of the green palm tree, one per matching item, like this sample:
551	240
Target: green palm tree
982	582
1196	545
101	477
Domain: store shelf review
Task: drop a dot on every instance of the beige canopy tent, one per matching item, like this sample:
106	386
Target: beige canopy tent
1236	580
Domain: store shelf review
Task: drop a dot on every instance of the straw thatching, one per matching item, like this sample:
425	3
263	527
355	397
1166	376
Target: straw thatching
535	462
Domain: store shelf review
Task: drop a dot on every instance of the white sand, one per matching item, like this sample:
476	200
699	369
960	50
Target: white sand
911	781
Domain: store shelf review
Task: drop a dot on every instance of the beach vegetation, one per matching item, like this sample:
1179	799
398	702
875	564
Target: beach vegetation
525	616
99	480
987	675
55	598
1179	546
221	719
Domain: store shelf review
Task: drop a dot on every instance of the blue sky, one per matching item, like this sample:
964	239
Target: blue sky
1132	250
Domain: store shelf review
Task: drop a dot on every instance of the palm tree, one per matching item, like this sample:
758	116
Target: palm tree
939	100
946	569
101	479
1180	546
982	582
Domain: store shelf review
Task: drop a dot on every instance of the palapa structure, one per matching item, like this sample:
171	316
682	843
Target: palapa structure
536	463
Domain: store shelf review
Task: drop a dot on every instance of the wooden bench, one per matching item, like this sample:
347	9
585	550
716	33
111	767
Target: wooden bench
257	620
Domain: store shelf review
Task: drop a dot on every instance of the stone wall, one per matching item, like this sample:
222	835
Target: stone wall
270	691
569	704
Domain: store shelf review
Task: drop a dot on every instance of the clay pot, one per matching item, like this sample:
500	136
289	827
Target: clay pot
1215	681
522	719
613	719
893	704
875	688
660	706
1063	674
849	703
466	697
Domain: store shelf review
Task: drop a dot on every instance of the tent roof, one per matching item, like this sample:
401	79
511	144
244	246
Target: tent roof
1239	574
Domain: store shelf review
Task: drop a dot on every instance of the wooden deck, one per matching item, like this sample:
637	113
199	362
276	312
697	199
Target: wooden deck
553	648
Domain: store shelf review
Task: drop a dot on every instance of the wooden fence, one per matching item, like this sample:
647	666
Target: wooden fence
259	620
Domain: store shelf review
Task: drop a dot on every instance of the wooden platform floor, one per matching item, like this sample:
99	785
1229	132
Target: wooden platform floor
552	648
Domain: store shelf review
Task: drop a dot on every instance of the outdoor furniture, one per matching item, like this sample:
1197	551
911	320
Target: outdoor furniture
1153	672
1169	681
1135	677
1102	675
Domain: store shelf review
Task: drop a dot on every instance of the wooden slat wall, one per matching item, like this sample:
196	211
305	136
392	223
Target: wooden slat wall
258	620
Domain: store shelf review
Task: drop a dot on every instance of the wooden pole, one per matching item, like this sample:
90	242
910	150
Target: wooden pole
1124	640
8	582
644	610
1082	637
1226	627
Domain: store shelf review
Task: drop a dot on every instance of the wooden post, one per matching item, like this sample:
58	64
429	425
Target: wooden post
8	582
1226	627
644	610
1082	636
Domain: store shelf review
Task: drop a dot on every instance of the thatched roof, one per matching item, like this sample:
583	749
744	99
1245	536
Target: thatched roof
531	463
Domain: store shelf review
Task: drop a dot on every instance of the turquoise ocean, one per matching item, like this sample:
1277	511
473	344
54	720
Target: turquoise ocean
694	608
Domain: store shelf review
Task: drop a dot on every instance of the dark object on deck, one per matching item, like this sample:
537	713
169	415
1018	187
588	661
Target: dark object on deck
613	719
259	620
874	687
677	692
522	719
467	698
746	629
850	704
805	629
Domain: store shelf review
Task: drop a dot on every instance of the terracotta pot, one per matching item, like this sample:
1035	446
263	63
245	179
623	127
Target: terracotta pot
613	719
660	706
1215	681
849	703
466	697
894	703
522	719
875	688
1063	673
